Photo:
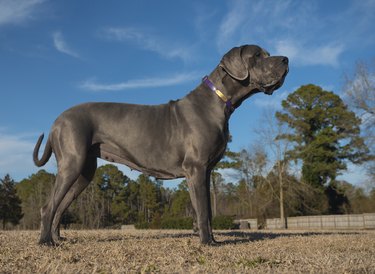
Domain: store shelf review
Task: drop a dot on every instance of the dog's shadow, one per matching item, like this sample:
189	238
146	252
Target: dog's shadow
238	237
234	237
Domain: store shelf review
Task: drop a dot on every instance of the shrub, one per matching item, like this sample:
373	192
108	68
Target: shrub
177	223
142	225
223	222
219	222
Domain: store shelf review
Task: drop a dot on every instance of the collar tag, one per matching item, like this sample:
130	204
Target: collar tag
221	95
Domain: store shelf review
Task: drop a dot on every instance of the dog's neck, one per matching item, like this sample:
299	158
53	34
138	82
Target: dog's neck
238	91
211	103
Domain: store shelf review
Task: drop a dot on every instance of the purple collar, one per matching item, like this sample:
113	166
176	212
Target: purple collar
221	95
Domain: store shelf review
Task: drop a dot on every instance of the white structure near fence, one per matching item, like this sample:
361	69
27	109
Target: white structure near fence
247	223
353	221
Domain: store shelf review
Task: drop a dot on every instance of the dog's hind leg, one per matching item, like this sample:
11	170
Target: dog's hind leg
65	178
71	159
79	185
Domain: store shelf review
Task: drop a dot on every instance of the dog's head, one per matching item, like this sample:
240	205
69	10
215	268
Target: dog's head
254	66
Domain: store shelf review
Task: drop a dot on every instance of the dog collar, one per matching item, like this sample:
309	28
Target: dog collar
221	95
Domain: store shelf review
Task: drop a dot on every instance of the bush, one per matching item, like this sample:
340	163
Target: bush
223	222
177	223
142	225
219	222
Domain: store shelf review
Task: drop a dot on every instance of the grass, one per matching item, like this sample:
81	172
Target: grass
152	251
253	263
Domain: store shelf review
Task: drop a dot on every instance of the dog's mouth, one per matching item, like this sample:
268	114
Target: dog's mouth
274	85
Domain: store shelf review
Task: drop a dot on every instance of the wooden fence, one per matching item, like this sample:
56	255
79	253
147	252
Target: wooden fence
353	221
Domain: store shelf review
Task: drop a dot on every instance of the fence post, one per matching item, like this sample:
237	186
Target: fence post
334	221
321	222
363	219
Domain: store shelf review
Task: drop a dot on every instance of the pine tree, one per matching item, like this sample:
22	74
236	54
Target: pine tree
111	182
326	133
149	198
10	203
181	204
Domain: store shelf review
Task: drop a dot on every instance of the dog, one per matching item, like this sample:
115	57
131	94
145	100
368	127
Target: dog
183	138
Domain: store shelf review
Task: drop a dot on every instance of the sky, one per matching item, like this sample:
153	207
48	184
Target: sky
57	54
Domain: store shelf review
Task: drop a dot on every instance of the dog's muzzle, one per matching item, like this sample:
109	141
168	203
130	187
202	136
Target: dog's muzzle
270	88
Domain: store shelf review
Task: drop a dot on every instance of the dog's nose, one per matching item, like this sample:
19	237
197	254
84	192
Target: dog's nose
285	60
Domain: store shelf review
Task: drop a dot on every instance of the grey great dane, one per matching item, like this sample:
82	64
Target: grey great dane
183	138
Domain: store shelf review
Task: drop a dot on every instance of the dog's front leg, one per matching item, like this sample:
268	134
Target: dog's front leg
198	188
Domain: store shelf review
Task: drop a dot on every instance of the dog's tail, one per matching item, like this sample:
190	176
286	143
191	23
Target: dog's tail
46	154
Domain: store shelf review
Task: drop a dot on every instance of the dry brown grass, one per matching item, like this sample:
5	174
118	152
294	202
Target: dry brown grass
115	251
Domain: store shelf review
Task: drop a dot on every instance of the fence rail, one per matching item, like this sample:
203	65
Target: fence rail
353	221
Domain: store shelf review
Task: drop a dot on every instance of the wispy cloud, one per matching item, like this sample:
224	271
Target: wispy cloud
298	29
302	54
18	11
160	45
231	23
16	155
249	22
93	85
61	45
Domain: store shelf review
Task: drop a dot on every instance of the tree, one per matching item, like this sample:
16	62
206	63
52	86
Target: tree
181	205
338	202
34	191
360	201
229	199
269	135
104	202
326	134
111	182
10	203
89	207
133	202
360	91
229	161
148	197
68	218
251	166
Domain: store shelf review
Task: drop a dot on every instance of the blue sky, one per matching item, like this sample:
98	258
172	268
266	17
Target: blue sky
56	54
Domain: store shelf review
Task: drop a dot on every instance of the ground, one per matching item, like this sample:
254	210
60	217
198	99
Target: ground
154	251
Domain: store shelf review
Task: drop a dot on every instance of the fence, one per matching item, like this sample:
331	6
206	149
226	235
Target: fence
354	221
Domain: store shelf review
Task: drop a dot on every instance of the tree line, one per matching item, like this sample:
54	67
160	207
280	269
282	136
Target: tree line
291	171
112	199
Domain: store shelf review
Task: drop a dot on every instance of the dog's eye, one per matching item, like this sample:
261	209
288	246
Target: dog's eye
257	54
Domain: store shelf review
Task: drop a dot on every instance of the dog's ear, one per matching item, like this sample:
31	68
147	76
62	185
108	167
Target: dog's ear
233	64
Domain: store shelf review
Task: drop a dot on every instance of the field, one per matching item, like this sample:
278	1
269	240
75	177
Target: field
152	251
